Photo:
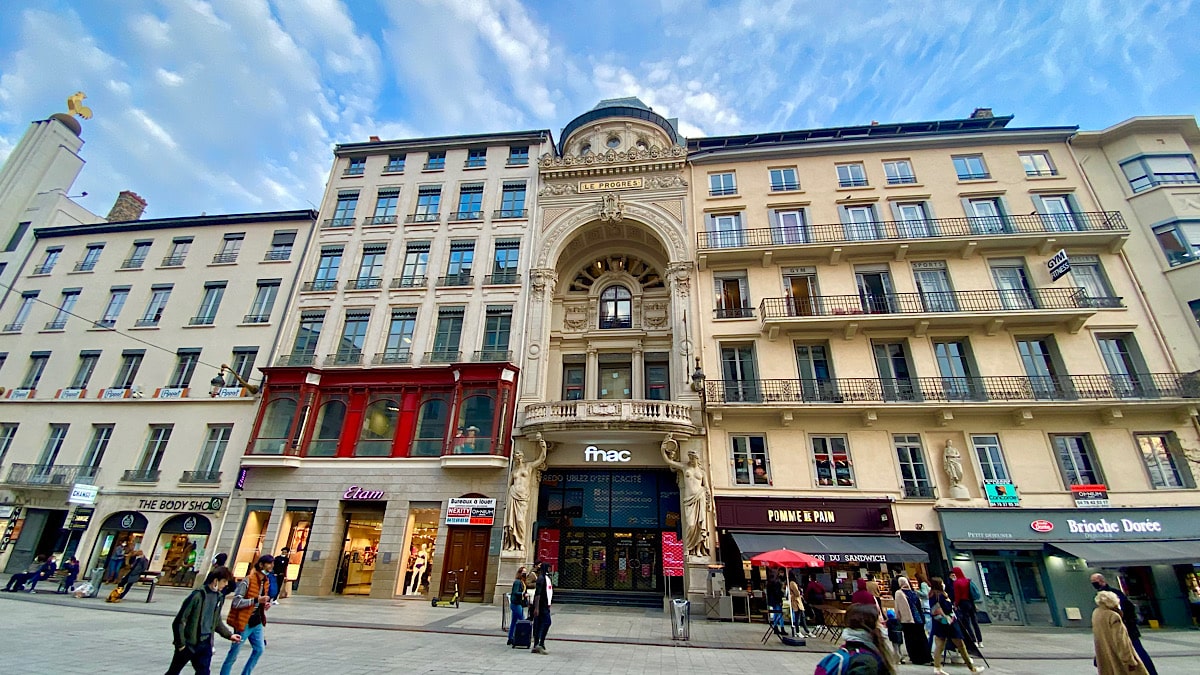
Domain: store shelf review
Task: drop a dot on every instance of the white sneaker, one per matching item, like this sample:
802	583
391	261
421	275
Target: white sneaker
978	669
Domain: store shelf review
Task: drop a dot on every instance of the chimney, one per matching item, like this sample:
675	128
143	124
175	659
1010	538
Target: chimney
129	206
982	114
374	139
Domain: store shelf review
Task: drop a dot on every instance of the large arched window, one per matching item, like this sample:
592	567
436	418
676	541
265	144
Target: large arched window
277	421
431	428
476	418
378	428
328	429
616	307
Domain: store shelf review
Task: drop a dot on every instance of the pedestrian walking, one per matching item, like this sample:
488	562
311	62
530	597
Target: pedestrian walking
248	614
543	598
945	627
116	560
814	595
1115	654
966	594
137	566
775	600
279	571
219	561
1129	615
516	602
911	614
864	650
72	569
796	602
198	618
921	588
863	596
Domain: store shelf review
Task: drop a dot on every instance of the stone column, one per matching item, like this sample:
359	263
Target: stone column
537	332
638	376
684	347
591	379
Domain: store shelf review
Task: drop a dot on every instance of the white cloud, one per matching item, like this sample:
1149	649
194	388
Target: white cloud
168	78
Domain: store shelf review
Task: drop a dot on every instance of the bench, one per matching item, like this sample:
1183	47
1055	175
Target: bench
149	579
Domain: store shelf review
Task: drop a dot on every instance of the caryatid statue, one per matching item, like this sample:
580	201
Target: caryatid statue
519	486
693	497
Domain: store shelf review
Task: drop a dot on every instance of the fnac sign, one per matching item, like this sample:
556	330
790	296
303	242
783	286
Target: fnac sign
593	454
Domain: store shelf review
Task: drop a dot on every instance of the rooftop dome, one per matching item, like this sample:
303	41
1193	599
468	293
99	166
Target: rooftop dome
629	106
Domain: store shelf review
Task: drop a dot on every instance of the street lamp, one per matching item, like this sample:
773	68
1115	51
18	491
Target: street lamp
218	382
698	377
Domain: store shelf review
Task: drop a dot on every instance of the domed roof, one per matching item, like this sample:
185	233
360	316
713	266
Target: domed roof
69	122
630	106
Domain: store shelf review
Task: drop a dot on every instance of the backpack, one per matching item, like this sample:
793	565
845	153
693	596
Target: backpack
838	663
976	596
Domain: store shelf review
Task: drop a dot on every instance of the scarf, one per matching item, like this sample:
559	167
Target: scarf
858	635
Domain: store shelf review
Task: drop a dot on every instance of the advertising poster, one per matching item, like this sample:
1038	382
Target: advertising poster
547	547
672	555
1001	493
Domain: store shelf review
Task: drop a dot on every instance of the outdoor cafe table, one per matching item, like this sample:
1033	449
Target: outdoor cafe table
835	620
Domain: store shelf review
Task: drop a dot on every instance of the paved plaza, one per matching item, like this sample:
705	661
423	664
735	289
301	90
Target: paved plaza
49	633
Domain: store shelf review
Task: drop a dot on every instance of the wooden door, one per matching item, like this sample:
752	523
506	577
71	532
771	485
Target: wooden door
466	556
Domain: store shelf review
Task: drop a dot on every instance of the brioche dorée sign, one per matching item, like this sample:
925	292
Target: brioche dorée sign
355	493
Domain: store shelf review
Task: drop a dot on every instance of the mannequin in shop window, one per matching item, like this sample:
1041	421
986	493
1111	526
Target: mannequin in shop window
420	564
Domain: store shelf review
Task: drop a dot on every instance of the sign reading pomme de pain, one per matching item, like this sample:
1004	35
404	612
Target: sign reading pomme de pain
800	516
606	185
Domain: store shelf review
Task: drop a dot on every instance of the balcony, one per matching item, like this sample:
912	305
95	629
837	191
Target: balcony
349	358
435	165
355	170
418	281
504	278
920	492
510	213
225	258
456	280
50	476
733	313
492	356
1044	232
333	223
85	266
301	359
517	161
852	182
132	263
986	309
141	476
173	261
422	218
57	324
442	356
961	390
318	285
475	163
105	323
43	269
256	318
276	254
380	220
210	477
146	322
629	413
785	186
14	327
902	180
202	320
466	215
392	358
364	284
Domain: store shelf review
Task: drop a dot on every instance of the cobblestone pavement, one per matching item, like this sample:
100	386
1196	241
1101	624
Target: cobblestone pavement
47	633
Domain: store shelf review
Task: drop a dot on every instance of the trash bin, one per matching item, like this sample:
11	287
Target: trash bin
681	619
96	580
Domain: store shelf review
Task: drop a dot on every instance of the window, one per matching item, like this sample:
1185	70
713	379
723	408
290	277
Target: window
1039	358
832	460
1088	274
1151	171
15	240
90	258
117	296
496	327
385	207
343	209
370	268
813	365
1076	459
990	456
242	363
986	216
8	431
1012	283
616	307
860	223
206	315
1164	461
141	249
725	231
378	428
458	267
395	164
895	371
504	264
476	422
131	362
87	366
69	297
1124	363
658	376
739	374
899	172
354	335
416	265
156	446
28	298
185	367
721	184
231	245
37	366
970	167
751	465
912	219
281	245
429	198
512	201
276	425
615	374
398	348
1057	212
432	421
436	161
208	466
790	227
518	155
1194	305
470	202
914	474
1037	164
574	377
49	260
933	286
178	252
308	333
784	179
54	443
357	166
264	301
1180	241
448	335
476	158
957	373
327	269
328	429
97	445
159	295
732	296
851	175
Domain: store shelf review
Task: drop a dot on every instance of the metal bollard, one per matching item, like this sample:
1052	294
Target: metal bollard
504	613
681	619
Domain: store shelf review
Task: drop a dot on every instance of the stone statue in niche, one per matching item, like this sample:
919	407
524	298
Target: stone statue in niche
519	488
952	465
693	497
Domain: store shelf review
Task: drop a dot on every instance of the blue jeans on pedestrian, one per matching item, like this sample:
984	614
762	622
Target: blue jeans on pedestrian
518	614
253	635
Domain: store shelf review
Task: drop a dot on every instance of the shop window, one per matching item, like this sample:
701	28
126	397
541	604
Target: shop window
296	528
328	430
254	530
832	459
431	428
914	473
273	433
990	456
356	570
476	417
420	543
751	465
1077	459
1164	461
182	543
378	428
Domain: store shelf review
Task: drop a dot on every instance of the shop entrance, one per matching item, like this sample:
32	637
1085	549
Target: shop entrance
361	544
296	528
614	561
120	534
181	545
1014	591
467	556
40	535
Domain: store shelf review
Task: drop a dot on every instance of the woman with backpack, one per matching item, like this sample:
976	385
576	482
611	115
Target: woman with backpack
864	650
945	627
966	594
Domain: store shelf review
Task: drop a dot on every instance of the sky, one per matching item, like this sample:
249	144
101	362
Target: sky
230	106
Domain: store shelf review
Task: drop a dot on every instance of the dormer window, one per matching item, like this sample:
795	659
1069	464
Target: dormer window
616	307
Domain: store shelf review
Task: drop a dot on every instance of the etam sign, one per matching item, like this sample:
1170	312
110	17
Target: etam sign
593	454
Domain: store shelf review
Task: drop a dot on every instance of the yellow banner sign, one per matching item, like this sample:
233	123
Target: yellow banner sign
606	185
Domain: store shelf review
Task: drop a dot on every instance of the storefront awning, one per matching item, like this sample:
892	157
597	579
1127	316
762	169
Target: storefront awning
1123	553
832	548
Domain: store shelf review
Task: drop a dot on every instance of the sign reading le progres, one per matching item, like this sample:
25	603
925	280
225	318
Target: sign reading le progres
605	185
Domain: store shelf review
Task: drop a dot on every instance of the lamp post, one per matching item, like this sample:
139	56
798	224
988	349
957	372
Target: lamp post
218	382
698	377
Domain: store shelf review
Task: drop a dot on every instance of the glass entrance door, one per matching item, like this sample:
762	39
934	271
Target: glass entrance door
802	291
999	595
1032	591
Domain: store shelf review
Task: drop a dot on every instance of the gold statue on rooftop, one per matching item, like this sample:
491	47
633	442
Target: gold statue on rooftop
75	105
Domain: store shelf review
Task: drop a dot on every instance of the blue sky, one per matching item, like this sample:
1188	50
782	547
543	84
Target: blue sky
233	105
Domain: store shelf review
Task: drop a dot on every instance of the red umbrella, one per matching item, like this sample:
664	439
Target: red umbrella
785	558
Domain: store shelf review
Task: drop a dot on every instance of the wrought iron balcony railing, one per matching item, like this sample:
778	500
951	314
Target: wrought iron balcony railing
434	165
348	358
173	261
1007	300
206	476
517	161
501	279
994	388
14	327
56	324
901	180
392	358
146	322
926	228
422	217
319	285
202	320
785	186
510	213
733	313
50	475
466	215
43	269
225	258
279	254
443	356
256	318
141	476
456	280
132	263
333	223
380	220
418	281
920	492
852	182
364	284
492	355
301	359
85	265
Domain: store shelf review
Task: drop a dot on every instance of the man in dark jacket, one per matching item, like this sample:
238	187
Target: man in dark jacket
198	618
46	571
280	573
543	597
1129	618
138	562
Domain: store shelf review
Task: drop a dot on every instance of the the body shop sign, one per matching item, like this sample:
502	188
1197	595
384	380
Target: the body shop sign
471	511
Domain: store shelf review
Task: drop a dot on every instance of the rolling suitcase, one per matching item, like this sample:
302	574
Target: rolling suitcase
522	634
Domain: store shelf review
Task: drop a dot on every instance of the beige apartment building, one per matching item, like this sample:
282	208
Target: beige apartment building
898	376
379	457
130	355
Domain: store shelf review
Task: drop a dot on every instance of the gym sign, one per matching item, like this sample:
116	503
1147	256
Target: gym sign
593	454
